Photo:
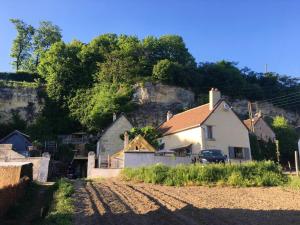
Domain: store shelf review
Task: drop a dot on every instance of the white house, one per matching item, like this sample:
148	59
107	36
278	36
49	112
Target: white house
211	126
110	141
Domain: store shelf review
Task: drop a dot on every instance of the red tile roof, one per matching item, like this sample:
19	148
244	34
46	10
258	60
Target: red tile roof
182	121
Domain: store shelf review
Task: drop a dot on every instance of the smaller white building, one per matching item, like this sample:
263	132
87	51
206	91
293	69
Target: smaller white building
110	141
211	126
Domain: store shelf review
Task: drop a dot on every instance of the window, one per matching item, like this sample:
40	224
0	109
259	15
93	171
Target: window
238	153
209	132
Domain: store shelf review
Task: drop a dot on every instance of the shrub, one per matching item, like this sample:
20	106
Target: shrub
265	173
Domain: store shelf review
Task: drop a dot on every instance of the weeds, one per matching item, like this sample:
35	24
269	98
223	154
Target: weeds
62	208
265	173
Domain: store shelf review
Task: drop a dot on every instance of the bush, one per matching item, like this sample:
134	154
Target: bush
265	173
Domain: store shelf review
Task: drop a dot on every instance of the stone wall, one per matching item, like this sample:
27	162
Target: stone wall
25	101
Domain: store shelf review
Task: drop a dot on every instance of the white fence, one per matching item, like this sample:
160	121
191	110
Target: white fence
132	159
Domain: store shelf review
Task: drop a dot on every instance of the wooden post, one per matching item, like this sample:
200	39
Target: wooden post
296	163
277	151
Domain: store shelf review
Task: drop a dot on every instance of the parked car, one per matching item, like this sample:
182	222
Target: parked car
212	156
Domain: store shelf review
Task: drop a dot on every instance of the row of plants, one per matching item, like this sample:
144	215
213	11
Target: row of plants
252	174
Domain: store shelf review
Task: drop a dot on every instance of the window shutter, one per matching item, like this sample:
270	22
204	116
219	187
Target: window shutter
231	152
247	153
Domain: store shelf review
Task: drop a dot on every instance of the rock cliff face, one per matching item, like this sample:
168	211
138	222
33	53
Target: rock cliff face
155	100
267	109
25	101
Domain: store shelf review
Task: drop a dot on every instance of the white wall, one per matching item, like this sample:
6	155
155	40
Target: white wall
191	136
228	130
145	159
110	142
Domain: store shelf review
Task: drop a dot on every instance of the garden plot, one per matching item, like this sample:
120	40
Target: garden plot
119	202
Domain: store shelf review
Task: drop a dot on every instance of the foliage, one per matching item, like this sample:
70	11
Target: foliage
94	107
21	44
62	209
44	36
30	43
265	173
287	137
148	132
261	150
16	123
19	76
294	182
90	81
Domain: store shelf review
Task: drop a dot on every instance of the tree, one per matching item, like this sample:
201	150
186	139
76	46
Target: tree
22	44
287	137
117	68
94	107
165	70
46	35
148	132
63	71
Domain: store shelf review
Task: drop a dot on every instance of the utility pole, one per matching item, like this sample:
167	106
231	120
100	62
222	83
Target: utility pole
266	68
250	116
277	151
297	163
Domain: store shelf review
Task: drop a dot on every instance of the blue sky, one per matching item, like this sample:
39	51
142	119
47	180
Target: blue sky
250	32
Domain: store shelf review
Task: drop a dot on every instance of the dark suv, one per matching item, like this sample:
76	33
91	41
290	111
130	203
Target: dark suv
212	156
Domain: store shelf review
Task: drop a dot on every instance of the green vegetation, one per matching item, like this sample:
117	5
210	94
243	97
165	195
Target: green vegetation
62	207
87	82
288	138
31	43
148	132
294	182
261	150
265	173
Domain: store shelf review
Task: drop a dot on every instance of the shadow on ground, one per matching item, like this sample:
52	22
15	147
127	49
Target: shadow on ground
117	211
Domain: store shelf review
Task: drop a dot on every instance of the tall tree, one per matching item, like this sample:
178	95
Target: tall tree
46	35
22	44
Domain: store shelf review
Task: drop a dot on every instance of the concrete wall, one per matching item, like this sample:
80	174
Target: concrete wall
263	131
40	165
145	159
228	131
93	172
110	142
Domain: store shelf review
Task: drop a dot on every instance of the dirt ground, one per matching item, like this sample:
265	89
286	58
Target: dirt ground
115	202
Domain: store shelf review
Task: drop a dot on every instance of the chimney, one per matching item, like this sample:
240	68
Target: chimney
126	139
114	117
214	97
169	115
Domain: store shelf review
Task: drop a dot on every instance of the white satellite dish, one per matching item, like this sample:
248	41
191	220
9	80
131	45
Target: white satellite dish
226	107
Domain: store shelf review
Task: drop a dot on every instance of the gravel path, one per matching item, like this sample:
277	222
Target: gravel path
115	202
